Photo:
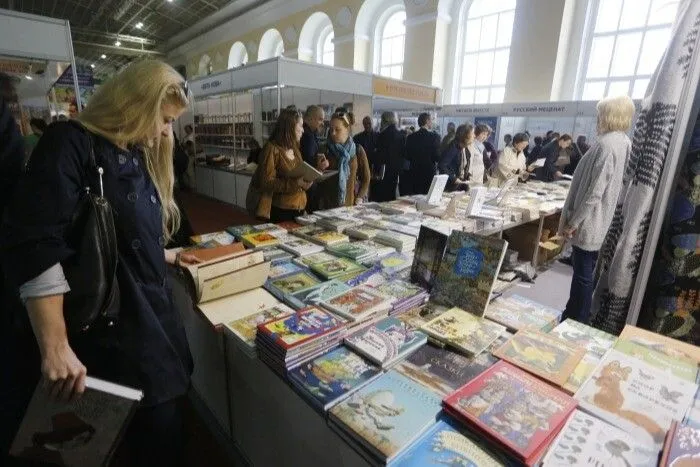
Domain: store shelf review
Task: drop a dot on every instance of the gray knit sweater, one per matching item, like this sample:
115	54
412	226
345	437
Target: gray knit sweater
590	206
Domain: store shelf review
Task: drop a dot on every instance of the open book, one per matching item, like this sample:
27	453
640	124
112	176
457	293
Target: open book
78	433
309	173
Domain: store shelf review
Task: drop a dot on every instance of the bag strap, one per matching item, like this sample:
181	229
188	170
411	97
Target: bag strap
92	160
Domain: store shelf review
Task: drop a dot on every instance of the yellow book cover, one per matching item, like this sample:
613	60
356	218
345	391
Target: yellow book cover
261	239
463	331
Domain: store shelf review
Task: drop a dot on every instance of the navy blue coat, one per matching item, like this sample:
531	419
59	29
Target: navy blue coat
550	152
449	164
148	348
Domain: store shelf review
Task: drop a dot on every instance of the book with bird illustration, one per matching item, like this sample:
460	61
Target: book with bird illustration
682	367
516	313
636	397
541	354
387	341
587	440
593	340
664	344
315	294
463	331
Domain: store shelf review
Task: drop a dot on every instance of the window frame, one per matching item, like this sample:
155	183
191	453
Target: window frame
323	36
590	35
379	40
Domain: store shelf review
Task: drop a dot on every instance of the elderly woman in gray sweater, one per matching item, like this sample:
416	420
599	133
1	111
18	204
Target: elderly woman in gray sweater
590	206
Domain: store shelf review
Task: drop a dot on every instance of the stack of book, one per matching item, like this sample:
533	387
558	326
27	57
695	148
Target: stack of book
363	232
212	240
239	230
337	224
381	250
336	268
463	331
290	283
285	342
513	410
386	342
301	247
275	254
404	229
329	237
245	329
326	380
270	228
259	240
400	241
309	219
307	232
362	306
315	258
316	294
395	263
516	312
357	251
406	295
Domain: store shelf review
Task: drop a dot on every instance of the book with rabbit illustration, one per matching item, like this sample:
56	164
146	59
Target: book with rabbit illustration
636	397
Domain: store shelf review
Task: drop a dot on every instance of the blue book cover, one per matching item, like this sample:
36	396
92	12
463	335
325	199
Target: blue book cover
239	230
387	415
316	294
332	376
445	444
281	269
373	276
386	341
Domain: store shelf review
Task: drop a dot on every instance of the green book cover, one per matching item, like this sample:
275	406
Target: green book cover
682	367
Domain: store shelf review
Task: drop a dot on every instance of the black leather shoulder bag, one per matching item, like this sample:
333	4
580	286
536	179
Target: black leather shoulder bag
93	301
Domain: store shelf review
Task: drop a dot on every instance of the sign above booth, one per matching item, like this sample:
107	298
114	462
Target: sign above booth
541	109
386	87
472	110
219	83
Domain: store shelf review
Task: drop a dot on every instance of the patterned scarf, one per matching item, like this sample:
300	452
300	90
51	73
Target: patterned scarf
345	153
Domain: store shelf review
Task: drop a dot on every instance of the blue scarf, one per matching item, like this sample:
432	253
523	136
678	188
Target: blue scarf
345	153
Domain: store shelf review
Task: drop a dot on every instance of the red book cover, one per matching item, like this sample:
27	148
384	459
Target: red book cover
520	411
301	327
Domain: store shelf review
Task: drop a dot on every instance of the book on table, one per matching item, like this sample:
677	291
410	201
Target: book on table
593	340
681	367
395	263
314	258
386	341
336	267
359	303
682	446
283	268
387	415
290	283
468	271
516	313
664	344
82	432
463	331
214	239
216	252
246	328
316	294
542	354
636	397
329	237
420	315
234	307
260	239
430	248
301	247
519	412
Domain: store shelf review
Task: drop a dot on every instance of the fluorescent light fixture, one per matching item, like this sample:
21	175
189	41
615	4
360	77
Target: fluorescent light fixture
103	56
28	77
92	65
139	25
117	43
170	1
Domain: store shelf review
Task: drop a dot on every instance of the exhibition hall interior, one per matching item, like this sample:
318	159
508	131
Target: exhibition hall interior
349	233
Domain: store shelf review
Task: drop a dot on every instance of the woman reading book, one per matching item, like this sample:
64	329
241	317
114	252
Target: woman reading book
282	197
351	185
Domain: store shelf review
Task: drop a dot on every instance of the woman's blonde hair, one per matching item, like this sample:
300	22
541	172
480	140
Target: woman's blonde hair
127	110
615	114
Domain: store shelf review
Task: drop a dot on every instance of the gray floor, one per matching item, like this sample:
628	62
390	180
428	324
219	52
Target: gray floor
551	288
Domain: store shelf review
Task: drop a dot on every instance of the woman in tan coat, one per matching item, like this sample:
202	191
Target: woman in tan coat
350	161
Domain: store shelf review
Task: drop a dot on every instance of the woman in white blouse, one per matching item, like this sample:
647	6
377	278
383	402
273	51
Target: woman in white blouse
512	162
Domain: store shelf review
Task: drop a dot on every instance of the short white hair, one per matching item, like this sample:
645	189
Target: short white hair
388	118
615	114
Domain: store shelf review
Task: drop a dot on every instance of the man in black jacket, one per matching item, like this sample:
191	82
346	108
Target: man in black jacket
368	139
310	150
422	153
550	172
391	145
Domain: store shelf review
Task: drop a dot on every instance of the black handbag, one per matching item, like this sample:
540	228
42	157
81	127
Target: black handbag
91	272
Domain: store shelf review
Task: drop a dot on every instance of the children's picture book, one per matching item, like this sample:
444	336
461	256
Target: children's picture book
215	239
441	370
85	430
301	247
275	255
362	232
463	331
516	313
519	411
636	397
682	447
664	344
336	267
259	239
357	303
418	316
315	258
239	230
430	249
284	268
542	354
400	290
587	440
395	263
307	232
329	237
333	376
290	283
583	370
316	294
593	340
386	341
246	328
387	415
468	271
446	443
291	331
373	277
682	367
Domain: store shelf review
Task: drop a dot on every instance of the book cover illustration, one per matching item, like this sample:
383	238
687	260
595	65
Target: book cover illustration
216	239
542	354
290	331
388	414
82	432
468	271
593	340
350	250
246	328
430	249
683	447
259	239
463	331
301	247
333	375
581	373
516	313
417	317
328	237
275	255
636	397
315	258
517	409
386	341
680	366
355	303
308	231
316	294
399	289
373	277
441	370
282	269
293	282
664	344
446	444
586	440
336	268
395	262
239	230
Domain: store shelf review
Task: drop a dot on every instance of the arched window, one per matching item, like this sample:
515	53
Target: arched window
326	48
391	41
271	45
205	65
238	55
485	51
623	46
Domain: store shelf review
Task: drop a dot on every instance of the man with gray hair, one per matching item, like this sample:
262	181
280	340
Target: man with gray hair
313	122
391	145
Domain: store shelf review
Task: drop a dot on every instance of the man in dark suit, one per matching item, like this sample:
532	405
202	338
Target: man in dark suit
391	145
368	139
313	121
422	153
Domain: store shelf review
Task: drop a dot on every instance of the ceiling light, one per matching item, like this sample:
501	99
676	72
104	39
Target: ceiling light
170	1
92	65
139	25
117	43
103	56
28	77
